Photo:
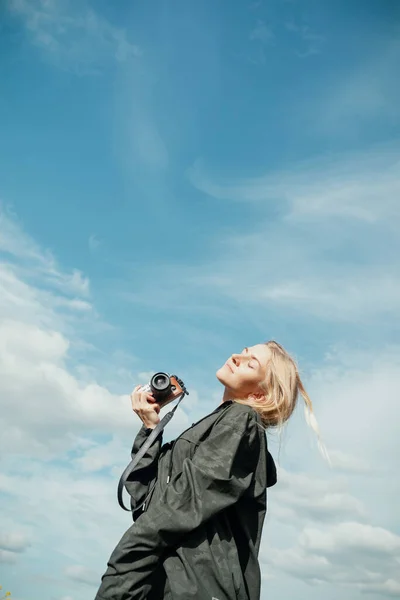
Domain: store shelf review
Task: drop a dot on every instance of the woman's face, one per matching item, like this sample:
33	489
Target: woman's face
242	373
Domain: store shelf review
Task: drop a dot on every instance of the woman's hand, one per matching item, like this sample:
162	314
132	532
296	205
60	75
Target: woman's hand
146	407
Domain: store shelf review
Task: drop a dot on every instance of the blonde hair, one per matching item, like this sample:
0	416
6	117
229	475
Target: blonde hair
281	388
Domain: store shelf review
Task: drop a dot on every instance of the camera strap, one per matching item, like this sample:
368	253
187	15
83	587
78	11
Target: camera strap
141	452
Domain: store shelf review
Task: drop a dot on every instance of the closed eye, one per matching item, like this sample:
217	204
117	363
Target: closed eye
252	364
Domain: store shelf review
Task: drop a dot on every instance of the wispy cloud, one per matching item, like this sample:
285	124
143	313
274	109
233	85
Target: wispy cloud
63	413
28	257
362	186
314	500
356	95
261	37
389	588
7	557
262	33
64	434
40	323
141	144
351	554
339	540
309	41
325	243
94	243
79	40
14	542
82	574
308	254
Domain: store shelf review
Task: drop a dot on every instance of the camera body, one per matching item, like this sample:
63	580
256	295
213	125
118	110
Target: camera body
165	388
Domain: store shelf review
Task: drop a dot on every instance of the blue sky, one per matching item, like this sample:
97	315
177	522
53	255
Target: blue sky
177	182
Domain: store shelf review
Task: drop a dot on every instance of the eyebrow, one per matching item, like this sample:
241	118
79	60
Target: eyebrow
252	356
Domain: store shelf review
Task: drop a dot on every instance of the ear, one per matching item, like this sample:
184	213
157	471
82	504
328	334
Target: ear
256	397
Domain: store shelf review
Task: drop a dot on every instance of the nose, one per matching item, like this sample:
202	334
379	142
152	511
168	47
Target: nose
235	359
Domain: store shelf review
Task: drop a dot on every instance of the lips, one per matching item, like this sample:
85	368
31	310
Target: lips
229	367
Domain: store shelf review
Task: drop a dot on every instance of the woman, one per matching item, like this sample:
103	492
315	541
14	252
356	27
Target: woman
199	533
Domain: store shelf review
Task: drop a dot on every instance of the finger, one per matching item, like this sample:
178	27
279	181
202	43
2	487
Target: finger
135	389
135	397
143	398
134	401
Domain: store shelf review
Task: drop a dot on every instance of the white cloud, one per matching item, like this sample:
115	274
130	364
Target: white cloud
390	587
52	411
45	403
326	243
28	260
40	395
82	41
337	528
7	557
357	397
340	298
363	186
100	456
353	555
348	537
82	574
299	496
348	463
65	509
40	307
14	541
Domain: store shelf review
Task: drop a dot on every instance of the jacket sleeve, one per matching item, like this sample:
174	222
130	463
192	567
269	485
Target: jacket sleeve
218	475
146	470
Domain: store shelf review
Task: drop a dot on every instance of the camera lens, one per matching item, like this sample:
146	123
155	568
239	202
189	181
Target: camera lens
160	382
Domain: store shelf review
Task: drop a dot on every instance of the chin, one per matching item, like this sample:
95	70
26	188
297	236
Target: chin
220	376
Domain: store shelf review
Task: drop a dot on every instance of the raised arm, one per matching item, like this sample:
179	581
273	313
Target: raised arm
145	471
137	484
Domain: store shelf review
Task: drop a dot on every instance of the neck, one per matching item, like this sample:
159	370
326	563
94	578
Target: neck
227	395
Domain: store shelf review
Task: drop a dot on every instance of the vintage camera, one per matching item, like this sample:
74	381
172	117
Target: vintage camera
165	388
